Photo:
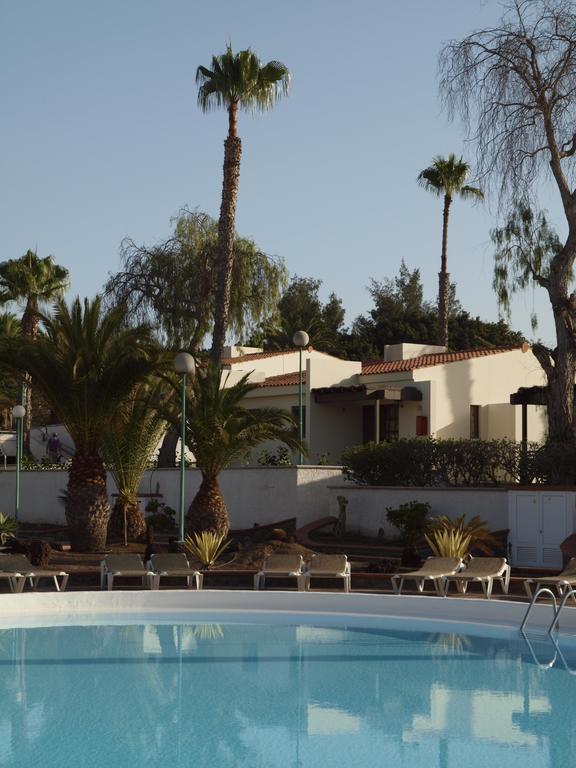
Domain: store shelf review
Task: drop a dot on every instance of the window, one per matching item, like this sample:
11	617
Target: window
421	426
296	417
474	421
389	423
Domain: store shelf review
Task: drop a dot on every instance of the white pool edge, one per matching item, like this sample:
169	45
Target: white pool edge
46	608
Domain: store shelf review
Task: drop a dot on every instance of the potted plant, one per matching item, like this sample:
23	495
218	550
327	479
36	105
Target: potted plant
7	529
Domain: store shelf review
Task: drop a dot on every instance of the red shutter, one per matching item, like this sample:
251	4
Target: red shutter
421	426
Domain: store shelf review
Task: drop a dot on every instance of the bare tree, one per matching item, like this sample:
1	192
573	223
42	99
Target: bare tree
514	86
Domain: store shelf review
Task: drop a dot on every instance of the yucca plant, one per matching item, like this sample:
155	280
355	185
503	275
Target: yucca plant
206	547
448	543
7	528
127	447
480	536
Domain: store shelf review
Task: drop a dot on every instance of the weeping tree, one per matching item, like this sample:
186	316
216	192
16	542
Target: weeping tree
86	363
446	177
221	430
235	81
127	448
172	285
513	86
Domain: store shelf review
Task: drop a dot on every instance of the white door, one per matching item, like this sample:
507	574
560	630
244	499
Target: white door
539	523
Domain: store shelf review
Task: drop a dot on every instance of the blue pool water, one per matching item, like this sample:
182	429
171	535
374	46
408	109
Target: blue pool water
228	694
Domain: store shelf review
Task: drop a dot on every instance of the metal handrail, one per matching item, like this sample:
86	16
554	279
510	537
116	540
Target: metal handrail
541	664
556	620
537	594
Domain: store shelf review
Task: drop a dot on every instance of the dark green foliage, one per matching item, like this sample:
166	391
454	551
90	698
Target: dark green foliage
401	314
554	458
300	309
278	458
424	462
411	520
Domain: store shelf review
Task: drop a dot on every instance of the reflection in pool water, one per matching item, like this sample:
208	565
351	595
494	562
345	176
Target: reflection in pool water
247	695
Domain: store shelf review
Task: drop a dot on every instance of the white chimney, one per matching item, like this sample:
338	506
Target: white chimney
409	351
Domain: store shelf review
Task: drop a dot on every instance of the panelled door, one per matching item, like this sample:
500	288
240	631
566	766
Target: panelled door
539	523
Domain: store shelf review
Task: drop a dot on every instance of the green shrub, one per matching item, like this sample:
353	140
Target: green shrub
411	520
425	462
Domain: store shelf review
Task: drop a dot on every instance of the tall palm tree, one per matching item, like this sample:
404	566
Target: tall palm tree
221	430
34	282
235	81
127	448
86	363
446	178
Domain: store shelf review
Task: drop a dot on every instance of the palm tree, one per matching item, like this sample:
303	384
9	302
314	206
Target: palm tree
127	447
86	363
236	81
34	282
446	178
221	430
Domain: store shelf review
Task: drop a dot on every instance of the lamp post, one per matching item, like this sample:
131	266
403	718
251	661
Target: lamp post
300	340
184	365
18	413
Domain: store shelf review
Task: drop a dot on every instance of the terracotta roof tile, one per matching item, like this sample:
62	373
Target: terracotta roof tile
394	366
283	380
427	361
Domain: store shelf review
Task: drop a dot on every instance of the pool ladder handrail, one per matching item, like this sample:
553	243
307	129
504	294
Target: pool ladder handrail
556	620
537	594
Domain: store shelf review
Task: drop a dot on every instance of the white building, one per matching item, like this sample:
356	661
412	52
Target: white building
415	390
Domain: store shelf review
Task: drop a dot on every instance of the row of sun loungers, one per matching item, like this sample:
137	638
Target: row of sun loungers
441	572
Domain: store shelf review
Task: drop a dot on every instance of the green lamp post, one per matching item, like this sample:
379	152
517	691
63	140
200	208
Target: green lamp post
184	365
300	340
18	413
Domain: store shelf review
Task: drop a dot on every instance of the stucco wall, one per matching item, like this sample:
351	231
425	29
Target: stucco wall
366	511
253	494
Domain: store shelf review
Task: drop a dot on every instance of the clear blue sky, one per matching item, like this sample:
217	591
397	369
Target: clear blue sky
102	138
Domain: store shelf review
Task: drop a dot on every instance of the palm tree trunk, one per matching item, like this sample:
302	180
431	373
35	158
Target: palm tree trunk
226	234
208	511
444	279
87	507
126	520
167	453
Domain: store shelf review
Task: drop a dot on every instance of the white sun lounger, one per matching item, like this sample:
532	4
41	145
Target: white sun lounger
129	566
328	567
434	569
18	566
280	567
174	564
483	570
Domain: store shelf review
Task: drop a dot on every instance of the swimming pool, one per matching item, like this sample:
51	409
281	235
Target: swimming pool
286	690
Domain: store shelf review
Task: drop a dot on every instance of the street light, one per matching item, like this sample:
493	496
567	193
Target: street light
184	365
300	340
18	413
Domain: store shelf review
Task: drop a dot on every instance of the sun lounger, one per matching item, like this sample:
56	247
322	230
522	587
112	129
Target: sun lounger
328	567
280	567
483	570
174	564
15	580
434	569
562	581
20	567
130	565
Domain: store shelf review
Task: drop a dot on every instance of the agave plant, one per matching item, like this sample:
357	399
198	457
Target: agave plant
7	528
480	536
206	547
448	543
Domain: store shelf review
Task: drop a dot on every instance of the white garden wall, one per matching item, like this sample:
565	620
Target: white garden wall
253	494
366	510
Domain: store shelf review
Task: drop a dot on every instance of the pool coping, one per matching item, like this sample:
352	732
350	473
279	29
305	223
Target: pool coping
46	608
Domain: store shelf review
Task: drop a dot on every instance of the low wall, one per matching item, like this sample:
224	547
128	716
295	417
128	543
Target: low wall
366	510
253	494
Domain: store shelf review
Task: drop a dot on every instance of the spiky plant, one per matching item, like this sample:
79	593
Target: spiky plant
221	430
86	362
235	81
127	447
480	535
7	528
448	543
206	547
446	177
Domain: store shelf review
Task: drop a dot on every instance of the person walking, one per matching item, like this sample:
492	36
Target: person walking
54	449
